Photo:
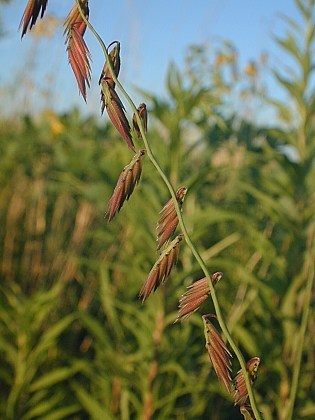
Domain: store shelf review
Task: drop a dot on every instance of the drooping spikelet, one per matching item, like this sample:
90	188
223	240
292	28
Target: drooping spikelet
168	222
126	183
196	294
219	354
116	112
78	52
33	9
114	57
161	269
143	115
241	393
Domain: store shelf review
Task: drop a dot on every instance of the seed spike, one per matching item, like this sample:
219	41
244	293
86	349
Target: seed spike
78	52
219	354
241	393
127	180
195	295
168	221
143	115
114	57
116	112
161	269
33	9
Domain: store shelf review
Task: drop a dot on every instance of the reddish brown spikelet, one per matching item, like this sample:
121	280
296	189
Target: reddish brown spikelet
78	52
169	220
126	183
116	112
33	9
161	269
143	115
219	354
114	57
241	393
196	294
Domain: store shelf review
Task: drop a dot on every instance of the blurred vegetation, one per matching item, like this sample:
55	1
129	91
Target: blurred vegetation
75	341
1	22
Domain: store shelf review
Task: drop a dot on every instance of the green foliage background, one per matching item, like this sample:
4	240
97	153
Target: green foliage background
75	341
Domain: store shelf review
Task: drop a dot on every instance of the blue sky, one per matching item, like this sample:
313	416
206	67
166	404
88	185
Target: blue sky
151	34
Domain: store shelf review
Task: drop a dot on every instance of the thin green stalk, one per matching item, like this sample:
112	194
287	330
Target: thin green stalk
181	222
303	327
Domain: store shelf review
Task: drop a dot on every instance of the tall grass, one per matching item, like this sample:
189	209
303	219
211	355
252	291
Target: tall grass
75	340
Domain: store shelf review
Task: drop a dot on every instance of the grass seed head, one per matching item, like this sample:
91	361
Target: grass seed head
241	393
116	112
168	221
195	295
219	354
78	52
161	269
244	410
143	115
114	57
126	183
33	9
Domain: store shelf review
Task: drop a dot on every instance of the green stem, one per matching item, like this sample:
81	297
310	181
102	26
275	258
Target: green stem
181	222
303	327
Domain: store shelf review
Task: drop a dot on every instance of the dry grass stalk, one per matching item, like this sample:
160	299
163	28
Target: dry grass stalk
143	115
116	112
241	394
33	9
219	354
168	222
196	294
114	57
161	269
78	52
126	183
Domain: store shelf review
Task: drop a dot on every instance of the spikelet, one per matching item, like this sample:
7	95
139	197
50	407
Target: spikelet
126	183
241	393
114	57
143	115
161	269
196	294
245	413
219	354
33	9
116	112
78	52
168	222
